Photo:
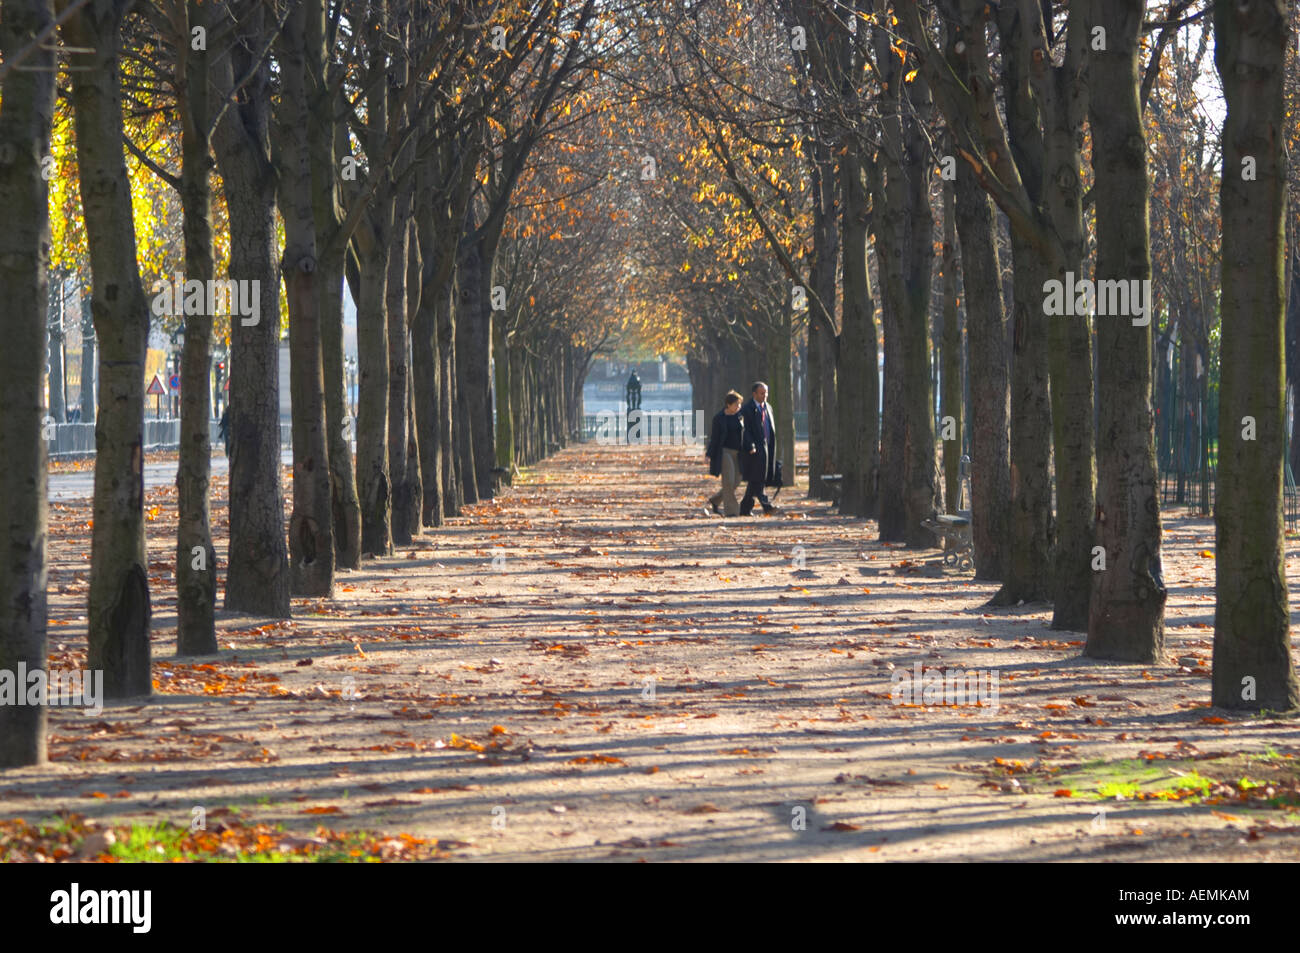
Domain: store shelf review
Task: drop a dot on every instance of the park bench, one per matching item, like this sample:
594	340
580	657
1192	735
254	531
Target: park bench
835	481
955	531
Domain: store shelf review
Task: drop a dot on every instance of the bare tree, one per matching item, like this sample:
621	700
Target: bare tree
25	118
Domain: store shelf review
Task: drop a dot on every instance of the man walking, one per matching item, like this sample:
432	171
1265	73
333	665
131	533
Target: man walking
223	428
758	455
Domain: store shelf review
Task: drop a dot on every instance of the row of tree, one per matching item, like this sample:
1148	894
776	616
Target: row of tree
855	158
413	153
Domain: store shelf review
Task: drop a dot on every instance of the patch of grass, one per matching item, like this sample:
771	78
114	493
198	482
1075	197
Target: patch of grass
1117	789
231	840
1268	780
146	843
1120	775
59	826
1149	787
1187	786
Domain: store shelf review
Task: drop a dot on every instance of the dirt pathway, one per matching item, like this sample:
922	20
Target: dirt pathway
595	667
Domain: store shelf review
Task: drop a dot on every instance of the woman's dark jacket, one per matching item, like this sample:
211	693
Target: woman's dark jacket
727	434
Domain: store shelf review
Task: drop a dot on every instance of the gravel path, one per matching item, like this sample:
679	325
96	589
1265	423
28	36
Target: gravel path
593	666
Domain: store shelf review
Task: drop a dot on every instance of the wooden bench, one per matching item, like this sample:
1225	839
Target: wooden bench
955	531
835	481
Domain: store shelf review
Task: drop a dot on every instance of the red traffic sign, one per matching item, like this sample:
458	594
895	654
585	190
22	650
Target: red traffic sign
174	382
156	387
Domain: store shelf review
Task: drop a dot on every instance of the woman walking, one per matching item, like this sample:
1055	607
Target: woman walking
724	454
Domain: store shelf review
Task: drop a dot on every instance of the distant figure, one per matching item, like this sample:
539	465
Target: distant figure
724	454
633	395
224	428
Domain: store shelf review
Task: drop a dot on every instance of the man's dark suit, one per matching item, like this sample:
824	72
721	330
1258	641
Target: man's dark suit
759	467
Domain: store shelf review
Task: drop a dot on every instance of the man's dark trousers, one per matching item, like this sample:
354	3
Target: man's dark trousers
753	491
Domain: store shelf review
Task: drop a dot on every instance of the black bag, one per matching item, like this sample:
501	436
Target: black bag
778	479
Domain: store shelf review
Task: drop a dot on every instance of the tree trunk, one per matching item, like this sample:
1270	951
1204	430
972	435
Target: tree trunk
1029	576
403	299
426	386
28	105
1059	95
859	377
257	574
340	422
403	446
1126	615
518	401
327	142
822	418
1027	569
1293	348
919	468
373	483
426	354
890	519
816	435
119	609
451	495
950	384
522	376
986	336
1070	360
196	558
457	422
311	536
375	247
414	478
54	355
905	258
505	430
1252	652
473	325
